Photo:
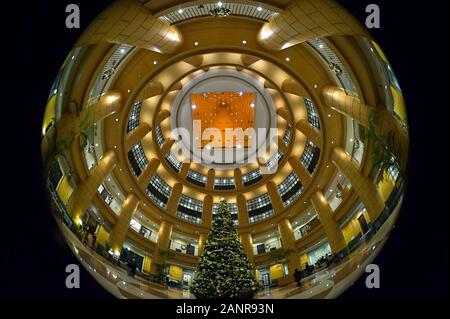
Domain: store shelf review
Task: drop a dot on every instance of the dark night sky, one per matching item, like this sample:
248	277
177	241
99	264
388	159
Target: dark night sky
414	262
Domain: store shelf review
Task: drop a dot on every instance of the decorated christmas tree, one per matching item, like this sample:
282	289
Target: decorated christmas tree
224	270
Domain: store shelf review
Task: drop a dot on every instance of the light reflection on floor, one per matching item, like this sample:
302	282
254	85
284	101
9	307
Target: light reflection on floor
328	283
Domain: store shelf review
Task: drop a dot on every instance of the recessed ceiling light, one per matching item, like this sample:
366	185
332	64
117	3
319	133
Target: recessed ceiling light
316	86
96	145
196	43
115	146
244	42
252	105
122	50
155	62
288	59
321	46
180	11
117	120
129	90
219	3
259	8
194	106
329	115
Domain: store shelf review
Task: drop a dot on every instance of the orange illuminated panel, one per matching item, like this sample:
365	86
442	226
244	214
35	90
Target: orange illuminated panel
222	110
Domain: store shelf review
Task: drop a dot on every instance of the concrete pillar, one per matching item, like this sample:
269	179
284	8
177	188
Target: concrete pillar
300	170
207	211
210	179
164	114
201	242
174	199
136	135
247	243
120	229
146	175
238	179
331	228
277	203
184	170
309	131
363	186
241	202
86	190
165	148
162	245
304	20
288	240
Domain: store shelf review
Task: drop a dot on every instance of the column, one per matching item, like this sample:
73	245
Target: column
363	186
309	131
304	20
277	203
300	170
284	113
108	104
162	245
172	204
210	179
331	228
132	23
238	179
281	145
184	170
293	87
247	243
242	210
348	105
207	211
164	114
120	229
146	175
201	242
86	190
288	240
165	148
72	123
152	89
136	135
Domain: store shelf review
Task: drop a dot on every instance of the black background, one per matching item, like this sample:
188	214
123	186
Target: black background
35	42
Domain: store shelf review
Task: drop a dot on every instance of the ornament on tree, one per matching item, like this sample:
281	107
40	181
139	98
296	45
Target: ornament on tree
224	270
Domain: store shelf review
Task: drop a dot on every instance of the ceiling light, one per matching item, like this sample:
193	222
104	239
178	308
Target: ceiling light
196	43
259	8
117	120
244	42
252	105
194	106
129	91
321	46
180	11
316	86
329	115
155	62
288	59
122	50
220	3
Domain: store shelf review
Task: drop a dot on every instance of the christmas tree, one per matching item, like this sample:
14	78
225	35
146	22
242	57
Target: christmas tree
224	270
